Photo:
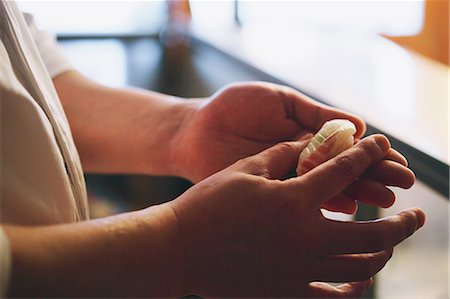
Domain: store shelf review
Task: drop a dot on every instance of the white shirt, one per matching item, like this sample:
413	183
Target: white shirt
41	176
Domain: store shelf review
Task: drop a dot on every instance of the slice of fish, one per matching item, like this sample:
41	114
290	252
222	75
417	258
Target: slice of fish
334	137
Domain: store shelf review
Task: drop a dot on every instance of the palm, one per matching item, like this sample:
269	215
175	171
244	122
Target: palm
242	120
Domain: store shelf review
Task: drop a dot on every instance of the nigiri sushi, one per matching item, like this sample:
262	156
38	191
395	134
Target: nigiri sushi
334	137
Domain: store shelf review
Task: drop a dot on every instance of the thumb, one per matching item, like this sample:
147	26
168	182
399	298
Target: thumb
280	159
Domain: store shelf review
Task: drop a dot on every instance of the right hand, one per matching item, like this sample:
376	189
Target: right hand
246	233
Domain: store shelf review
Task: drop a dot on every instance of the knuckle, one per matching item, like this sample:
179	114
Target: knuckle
245	87
253	165
285	146
346	166
235	86
371	149
376	146
233	89
242	163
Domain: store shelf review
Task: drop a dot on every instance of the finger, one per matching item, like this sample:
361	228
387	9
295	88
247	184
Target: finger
346	290
391	173
371	236
332	177
341	203
312	115
352	267
276	161
370	192
394	155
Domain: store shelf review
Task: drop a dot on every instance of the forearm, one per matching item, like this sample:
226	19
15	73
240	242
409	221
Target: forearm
131	255
122	130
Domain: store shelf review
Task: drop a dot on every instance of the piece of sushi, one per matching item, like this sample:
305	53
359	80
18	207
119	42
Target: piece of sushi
334	137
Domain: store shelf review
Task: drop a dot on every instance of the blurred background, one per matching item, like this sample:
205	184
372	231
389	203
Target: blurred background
387	61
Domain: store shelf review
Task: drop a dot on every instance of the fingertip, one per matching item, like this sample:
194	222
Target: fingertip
353	209
396	156
410	179
421	217
389	201
403	160
356	289
369	283
390	252
382	142
360	127
405	178
359	123
350	209
362	284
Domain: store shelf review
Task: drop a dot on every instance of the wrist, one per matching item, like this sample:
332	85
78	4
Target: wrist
171	260
166	144
125	130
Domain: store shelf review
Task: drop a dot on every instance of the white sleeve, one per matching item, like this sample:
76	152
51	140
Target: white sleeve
5	263
52	54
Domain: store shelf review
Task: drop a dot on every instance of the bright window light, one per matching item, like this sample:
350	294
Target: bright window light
67	17
385	17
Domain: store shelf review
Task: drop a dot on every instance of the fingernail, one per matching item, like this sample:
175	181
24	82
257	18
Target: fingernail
383	143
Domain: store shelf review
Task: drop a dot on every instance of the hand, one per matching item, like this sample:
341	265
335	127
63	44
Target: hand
245	232
243	119
371	187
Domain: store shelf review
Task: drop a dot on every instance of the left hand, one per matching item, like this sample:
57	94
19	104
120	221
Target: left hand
243	119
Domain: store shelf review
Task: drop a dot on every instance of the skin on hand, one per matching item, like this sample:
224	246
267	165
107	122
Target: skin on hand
247	233
243	119
372	187
242	232
137	131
